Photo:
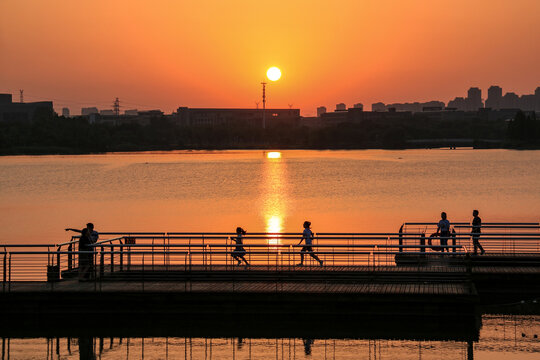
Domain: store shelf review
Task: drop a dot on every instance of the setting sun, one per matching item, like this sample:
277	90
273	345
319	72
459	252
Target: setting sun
273	73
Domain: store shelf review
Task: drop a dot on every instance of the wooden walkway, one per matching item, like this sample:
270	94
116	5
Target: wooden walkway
243	287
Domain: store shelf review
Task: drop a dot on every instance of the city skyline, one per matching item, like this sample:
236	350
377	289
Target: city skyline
495	98
152	57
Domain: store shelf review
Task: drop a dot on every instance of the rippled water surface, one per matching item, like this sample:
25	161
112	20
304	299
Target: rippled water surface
349	191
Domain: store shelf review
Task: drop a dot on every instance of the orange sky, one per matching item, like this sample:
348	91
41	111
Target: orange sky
170	53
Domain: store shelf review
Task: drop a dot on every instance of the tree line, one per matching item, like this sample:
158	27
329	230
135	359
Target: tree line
49	133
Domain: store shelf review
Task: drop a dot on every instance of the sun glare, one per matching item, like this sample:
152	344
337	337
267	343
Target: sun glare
273	155
273	73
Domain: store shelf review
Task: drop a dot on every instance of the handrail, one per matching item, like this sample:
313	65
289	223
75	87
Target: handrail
433	223
467	223
485	226
26	245
108	240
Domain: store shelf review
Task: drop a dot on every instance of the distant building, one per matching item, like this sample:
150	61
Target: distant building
494	98
459	103
89	111
358	106
65	112
527	102
474	99
10	111
378	107
510	100
131	112
432	108
341	107
214	116
411	107
106	112
537	101
321	110
6	99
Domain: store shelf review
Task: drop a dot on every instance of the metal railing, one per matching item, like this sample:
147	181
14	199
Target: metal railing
162	253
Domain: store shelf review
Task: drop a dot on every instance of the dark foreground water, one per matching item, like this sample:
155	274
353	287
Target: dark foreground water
499	337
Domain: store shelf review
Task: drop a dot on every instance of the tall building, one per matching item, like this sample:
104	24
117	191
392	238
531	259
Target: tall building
494	98
341	107
321	110
358	106
65	112
474	99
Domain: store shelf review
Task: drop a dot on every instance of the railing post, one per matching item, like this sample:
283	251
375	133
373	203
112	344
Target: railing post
121	256
5	272
58	258
112	258
423	242
9	274
102	263
400	238
70	257
454	240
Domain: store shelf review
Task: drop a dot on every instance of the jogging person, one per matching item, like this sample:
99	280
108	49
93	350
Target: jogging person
239	252
307	236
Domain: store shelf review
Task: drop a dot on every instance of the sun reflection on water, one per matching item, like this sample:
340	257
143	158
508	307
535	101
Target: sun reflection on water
273	155
275	195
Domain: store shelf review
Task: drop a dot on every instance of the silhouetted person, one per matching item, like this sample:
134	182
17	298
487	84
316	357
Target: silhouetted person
443	229
86	255
239	252
307	236
93	233
476	230
86	260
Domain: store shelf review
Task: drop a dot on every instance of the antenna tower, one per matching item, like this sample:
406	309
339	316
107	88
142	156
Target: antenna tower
116	107
21	97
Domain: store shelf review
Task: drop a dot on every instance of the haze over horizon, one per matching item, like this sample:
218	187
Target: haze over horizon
215	54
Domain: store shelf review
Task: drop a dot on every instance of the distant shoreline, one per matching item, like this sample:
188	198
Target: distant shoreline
36	151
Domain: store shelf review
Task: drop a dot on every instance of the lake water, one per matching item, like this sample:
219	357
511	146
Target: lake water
338	191
501	337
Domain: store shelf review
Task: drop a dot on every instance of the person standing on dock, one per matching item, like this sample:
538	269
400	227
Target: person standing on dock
476	225
308	236
86	255
443	229
239	252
